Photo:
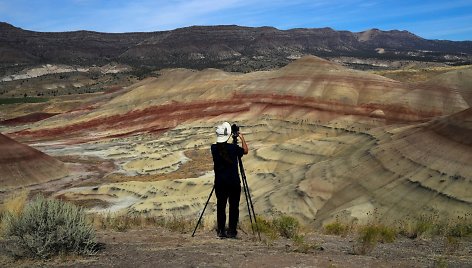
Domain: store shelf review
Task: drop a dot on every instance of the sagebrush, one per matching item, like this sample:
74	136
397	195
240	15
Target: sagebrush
287	226
48	227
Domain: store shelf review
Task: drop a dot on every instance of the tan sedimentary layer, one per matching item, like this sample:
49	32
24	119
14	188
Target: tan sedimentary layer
415	170
460	80
316	170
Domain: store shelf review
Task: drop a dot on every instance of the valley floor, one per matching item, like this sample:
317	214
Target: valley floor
159	247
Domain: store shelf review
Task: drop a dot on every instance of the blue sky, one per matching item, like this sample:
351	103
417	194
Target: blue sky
438	19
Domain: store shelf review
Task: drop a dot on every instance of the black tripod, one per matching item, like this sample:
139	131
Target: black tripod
201	215
250	206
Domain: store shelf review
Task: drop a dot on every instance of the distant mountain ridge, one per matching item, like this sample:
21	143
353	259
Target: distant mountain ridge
228	47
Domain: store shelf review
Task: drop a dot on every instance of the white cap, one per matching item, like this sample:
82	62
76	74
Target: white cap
223	132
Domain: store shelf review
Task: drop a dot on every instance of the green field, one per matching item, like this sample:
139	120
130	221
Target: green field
22	100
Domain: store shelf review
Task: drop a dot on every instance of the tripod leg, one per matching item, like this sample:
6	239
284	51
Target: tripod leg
201	215
246	193
254	213
248	198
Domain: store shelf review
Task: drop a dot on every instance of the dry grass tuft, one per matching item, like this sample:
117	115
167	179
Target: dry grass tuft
179	224
13	205
337	228
279	226
15	202
371	234
423	226
265	226
301	245
122	222
460	227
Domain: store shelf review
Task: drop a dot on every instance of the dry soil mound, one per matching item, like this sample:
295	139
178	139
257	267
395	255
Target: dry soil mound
22	165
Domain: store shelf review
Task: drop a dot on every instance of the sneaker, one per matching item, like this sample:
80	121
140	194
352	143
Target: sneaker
232	234
221	234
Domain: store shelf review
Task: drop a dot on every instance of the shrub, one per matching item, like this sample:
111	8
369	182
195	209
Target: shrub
287	226
462	227
273	228
303	246
336	228
367	240
387	234
371	234
424	225
48	227
266	227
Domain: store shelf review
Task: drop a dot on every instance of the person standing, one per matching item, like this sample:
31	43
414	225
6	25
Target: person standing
227	181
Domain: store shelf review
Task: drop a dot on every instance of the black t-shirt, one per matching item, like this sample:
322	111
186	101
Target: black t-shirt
225	160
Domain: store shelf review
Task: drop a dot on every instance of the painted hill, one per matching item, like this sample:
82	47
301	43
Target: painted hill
460	80
313	165
411	170
308	84
325	142
21	165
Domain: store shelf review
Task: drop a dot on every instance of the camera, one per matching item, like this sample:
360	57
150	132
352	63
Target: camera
235	130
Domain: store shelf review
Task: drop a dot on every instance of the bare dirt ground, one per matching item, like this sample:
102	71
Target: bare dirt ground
159	247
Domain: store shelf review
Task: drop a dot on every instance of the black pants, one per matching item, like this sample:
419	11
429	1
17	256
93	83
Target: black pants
224	194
